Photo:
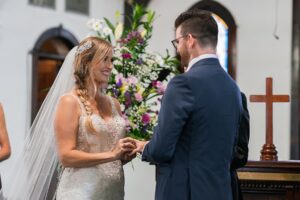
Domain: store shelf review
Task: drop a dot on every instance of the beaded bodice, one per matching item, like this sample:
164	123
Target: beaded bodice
101	182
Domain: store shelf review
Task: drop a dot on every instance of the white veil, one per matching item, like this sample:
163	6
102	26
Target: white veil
34	168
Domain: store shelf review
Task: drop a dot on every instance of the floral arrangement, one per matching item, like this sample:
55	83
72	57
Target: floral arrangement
139	77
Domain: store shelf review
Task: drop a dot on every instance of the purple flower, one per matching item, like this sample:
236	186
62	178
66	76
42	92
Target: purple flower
115	92
135	35
119	83
128	103
127	95
139	61
146	118
119	80
144	129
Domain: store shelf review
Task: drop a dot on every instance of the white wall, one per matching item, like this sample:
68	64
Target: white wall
259	55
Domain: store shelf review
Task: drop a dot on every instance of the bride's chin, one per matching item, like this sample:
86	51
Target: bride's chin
105	79
102	83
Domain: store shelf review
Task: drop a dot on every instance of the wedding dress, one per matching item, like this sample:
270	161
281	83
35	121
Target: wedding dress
101	182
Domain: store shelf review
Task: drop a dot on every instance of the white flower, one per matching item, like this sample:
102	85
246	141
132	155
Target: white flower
153	76
146	69
122	107
159	60
97	26
107	31
117	62
90	23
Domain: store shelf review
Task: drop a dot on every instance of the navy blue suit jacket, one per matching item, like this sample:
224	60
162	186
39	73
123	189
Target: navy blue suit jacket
193	142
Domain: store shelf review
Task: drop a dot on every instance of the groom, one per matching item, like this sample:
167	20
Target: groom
192	144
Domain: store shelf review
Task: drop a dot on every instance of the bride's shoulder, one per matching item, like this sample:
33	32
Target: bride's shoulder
69	100
70	97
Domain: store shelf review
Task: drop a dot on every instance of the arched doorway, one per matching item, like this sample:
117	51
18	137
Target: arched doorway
48	55
227	33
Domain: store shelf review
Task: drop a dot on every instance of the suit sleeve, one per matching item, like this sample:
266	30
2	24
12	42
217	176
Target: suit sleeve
240	156
177	105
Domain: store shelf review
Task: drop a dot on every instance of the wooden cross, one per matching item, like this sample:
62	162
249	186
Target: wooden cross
268	151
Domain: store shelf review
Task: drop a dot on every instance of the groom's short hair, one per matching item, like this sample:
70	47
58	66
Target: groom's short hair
200	24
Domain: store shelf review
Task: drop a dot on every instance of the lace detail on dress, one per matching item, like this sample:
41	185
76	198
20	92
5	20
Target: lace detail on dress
101	182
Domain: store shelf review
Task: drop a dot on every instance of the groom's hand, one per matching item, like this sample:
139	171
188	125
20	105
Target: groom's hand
140	145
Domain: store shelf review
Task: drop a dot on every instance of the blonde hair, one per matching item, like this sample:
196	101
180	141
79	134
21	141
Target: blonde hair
94	53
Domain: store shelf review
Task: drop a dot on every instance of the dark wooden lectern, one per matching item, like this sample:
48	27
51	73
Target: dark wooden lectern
269	180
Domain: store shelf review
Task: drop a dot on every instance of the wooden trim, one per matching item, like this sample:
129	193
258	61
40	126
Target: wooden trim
259	176
60	32
224	13
272	166
47	55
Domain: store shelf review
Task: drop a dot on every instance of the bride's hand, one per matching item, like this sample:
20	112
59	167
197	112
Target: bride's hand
139	146
123	145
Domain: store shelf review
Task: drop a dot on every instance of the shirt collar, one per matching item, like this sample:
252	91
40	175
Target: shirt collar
201	57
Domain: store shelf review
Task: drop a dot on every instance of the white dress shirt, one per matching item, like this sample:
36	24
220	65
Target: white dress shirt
204	56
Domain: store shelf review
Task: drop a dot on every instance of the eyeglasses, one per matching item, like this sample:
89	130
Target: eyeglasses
175	42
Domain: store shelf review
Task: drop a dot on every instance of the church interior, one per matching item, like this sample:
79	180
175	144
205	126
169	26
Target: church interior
258	45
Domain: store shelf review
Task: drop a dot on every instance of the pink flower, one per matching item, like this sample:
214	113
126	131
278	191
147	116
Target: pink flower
146	118
154	83
138	97
160	87
126	55
118	77
132	80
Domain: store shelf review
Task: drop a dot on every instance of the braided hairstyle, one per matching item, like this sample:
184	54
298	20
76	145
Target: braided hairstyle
95	52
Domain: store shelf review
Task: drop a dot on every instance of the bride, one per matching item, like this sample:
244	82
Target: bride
89	133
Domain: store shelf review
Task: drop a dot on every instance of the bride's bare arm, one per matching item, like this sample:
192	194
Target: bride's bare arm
66	128
4	141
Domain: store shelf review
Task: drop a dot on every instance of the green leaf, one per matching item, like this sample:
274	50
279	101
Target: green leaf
150	16
109	24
